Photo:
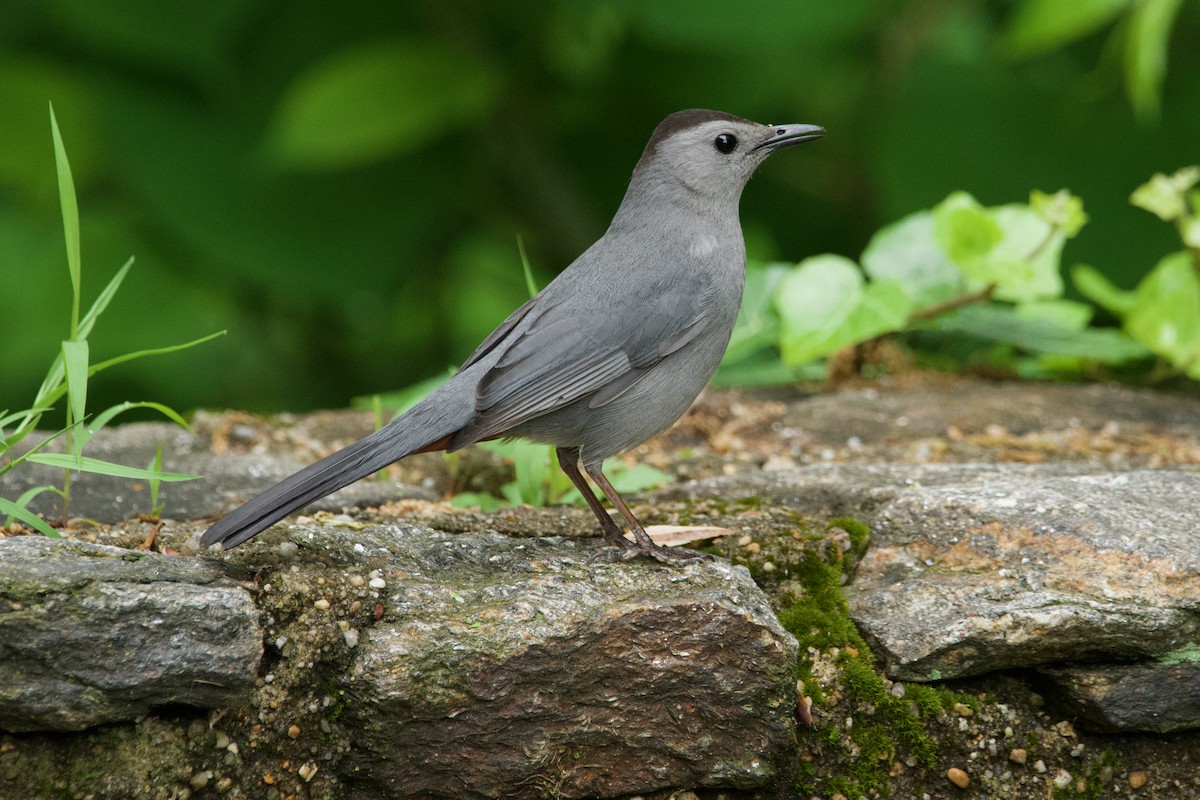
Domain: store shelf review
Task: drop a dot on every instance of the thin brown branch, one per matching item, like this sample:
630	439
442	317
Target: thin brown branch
982	296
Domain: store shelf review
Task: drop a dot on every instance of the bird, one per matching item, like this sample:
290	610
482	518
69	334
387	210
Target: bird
611	352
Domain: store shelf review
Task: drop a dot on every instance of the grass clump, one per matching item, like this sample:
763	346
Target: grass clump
68	378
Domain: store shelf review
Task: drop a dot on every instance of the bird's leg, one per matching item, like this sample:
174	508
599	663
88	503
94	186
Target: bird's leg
568	460
644	544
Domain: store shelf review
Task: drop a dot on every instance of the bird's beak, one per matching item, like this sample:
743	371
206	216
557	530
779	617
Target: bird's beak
788	135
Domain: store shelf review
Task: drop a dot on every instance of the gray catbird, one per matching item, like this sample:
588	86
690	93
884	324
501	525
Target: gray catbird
611	352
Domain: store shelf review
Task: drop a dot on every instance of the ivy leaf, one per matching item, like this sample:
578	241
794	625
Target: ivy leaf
1165	314
1165	196
1062	209
1093	285
907	252
824	306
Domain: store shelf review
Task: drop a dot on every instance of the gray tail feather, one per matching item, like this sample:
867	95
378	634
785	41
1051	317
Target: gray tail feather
444	412
331	473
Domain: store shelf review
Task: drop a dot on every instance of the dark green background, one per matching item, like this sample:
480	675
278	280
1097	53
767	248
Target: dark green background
374	244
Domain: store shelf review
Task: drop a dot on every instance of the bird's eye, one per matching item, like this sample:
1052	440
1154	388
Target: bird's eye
725	143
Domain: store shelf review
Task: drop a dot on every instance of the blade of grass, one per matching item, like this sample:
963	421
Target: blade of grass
530	283
105	416
75	358
12	510
70	215
98	467
154	351
102	300
155	466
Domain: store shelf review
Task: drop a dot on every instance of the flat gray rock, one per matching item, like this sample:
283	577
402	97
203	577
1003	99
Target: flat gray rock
92	634
523	667
998	571
1156	697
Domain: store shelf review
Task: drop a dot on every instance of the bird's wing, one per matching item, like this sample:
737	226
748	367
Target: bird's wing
568	352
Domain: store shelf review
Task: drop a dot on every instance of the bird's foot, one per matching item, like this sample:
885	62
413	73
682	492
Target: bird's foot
645	546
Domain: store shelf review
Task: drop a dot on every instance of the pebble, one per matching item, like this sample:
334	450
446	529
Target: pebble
293	731
288	549
357	580
1018	755
377	583
200	780
351	637
963	710
958	777
322	604
1137	779
1062	779
1039	766
307	771
222	740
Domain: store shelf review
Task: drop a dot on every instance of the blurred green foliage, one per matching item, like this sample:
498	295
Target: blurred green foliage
341	185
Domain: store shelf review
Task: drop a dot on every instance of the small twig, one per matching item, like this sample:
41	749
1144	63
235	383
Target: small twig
929	312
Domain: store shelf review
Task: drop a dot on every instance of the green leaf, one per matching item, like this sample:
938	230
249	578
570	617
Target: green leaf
1093	285
153	351
965	232
636	478
70	217
1010	247
75	357
1069	314
1165	315
371	101
53	395
999	323
824	306
103	299
106	416
1027	259
1040	26
98	467
766	370
530	283
1165	196
1062	210
907	252
1146	53
11	509
484	502
531	463
757	325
